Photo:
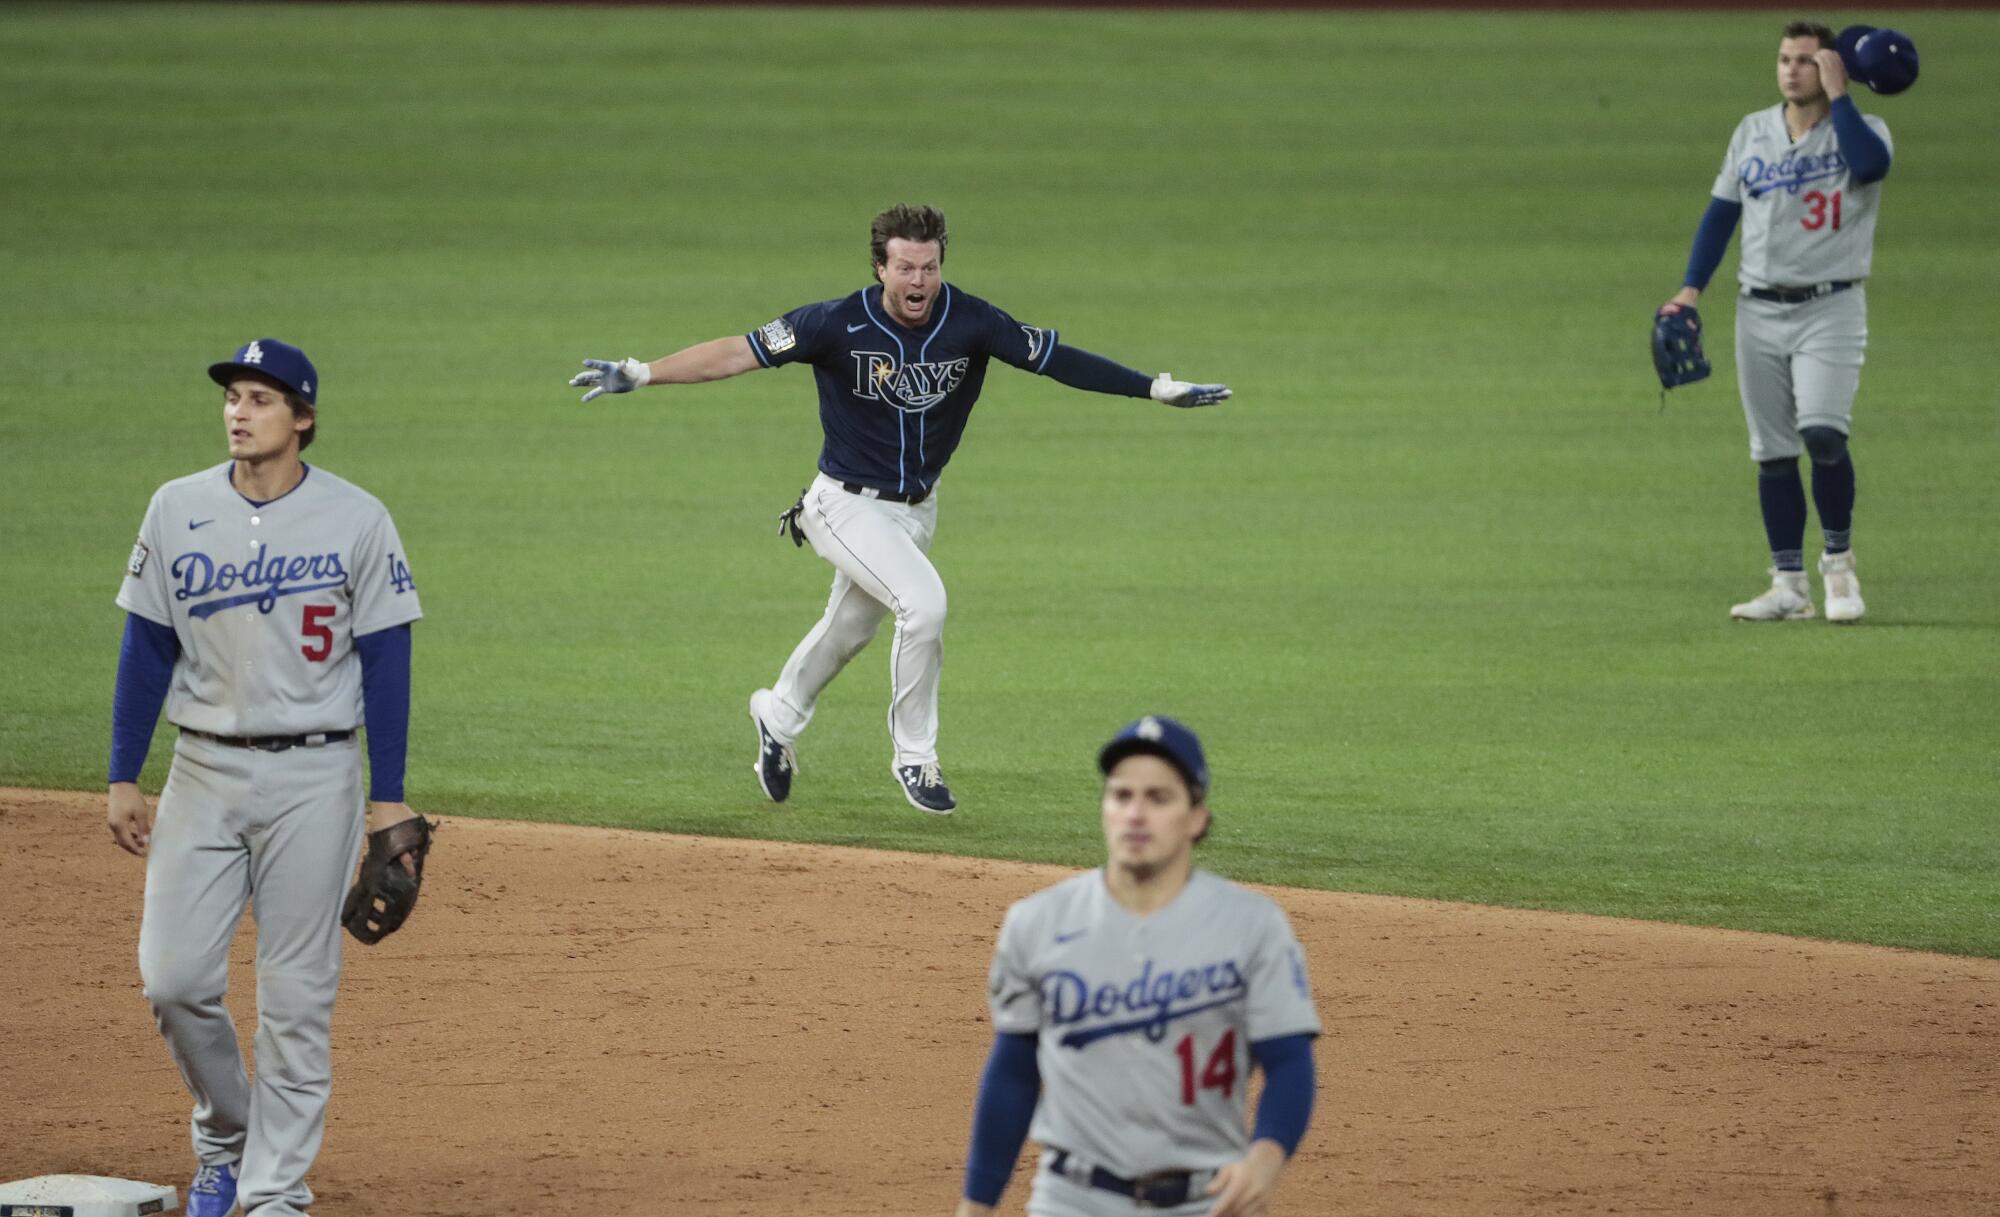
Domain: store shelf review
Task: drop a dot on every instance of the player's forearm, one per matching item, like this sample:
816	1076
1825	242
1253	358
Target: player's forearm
145	670
1711	240
385	708
1866	153
716	359
1080	369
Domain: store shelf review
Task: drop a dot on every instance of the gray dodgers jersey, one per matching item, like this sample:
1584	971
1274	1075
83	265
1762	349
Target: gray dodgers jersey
1144	1024
267	601
1805	219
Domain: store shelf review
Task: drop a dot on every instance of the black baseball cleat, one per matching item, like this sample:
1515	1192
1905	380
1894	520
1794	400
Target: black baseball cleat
776	762
924	787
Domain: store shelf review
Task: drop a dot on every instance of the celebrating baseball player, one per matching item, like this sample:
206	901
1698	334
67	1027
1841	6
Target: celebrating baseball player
1129	1004
1804	176
899	366
268	607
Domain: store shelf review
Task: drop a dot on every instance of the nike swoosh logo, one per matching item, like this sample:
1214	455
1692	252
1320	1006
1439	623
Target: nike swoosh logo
1072	936
194	524
852	328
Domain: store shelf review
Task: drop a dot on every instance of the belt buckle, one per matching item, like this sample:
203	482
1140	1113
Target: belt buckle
1160	1190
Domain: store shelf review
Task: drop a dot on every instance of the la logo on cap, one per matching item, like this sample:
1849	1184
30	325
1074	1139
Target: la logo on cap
1150	729
255	354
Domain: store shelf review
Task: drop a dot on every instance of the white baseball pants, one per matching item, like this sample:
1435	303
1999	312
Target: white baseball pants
1799	365
279	831
879	551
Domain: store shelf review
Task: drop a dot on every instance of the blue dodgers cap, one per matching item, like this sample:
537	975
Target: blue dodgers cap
1883	59
1163	737
280	361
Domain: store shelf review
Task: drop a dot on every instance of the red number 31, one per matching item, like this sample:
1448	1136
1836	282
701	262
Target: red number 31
1218	1074
1816	211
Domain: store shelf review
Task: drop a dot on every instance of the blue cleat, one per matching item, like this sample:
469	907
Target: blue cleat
776	762
924	787
213	1192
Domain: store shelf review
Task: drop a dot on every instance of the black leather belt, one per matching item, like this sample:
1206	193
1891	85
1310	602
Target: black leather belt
892	496
1158	1190
272	743
1799	295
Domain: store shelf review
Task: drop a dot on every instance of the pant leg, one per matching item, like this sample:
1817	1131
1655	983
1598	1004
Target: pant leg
849	623
1764	348
302	853
197	882
882	548
1826	363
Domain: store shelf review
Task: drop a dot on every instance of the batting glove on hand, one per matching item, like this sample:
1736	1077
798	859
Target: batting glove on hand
1181	393
607	377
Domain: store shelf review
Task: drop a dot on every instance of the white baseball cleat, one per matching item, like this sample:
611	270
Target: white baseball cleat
1789	599
1843	590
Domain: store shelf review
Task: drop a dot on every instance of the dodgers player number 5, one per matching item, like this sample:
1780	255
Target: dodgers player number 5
1805	178
898	367
268	604
1130	1003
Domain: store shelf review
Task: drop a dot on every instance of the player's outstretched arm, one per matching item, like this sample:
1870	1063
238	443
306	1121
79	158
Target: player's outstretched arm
716	359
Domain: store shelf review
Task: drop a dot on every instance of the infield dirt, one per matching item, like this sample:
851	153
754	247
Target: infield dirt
609	1022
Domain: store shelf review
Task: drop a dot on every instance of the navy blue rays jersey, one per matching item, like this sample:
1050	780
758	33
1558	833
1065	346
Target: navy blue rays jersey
894	401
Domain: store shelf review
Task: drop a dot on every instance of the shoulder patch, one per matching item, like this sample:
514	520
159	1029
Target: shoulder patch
778	336
1035	339
137	564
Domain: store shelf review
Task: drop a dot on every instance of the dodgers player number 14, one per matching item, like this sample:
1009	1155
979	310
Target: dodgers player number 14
1130	1004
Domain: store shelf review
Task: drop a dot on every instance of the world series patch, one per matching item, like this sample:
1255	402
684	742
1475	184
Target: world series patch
778	337
139	555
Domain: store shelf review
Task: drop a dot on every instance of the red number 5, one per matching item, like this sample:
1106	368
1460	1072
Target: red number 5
315	628
1218	1074
1816	209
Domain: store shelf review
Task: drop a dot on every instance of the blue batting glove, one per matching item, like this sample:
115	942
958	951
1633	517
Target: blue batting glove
607	377
1181	393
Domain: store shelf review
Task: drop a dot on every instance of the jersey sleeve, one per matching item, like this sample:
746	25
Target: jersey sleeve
797	337
1027	347
144	590
1014	996
1880	128
1280	996
1728	185
385	594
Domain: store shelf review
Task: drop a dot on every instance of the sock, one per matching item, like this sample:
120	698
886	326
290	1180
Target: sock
1833	495
1782	495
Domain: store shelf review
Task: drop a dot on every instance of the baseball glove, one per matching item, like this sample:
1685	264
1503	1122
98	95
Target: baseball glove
1677	353
385	894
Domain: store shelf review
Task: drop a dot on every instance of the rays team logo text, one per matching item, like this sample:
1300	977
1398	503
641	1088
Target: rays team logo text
910	386
1151	1000
266	577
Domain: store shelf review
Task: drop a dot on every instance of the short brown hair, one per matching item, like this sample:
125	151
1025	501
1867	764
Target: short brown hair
1811	29
299	407
910	222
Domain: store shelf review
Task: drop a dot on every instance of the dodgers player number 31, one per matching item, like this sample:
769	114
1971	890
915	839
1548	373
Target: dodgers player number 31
1129	1005
1805	178
268	605
898	367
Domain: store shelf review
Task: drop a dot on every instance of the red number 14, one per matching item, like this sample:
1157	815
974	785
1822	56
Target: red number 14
1816	211
1218	1074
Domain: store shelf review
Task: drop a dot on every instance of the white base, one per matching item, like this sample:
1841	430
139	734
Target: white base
84	1196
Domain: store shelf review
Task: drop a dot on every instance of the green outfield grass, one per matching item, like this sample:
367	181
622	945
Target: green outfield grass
1444	588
